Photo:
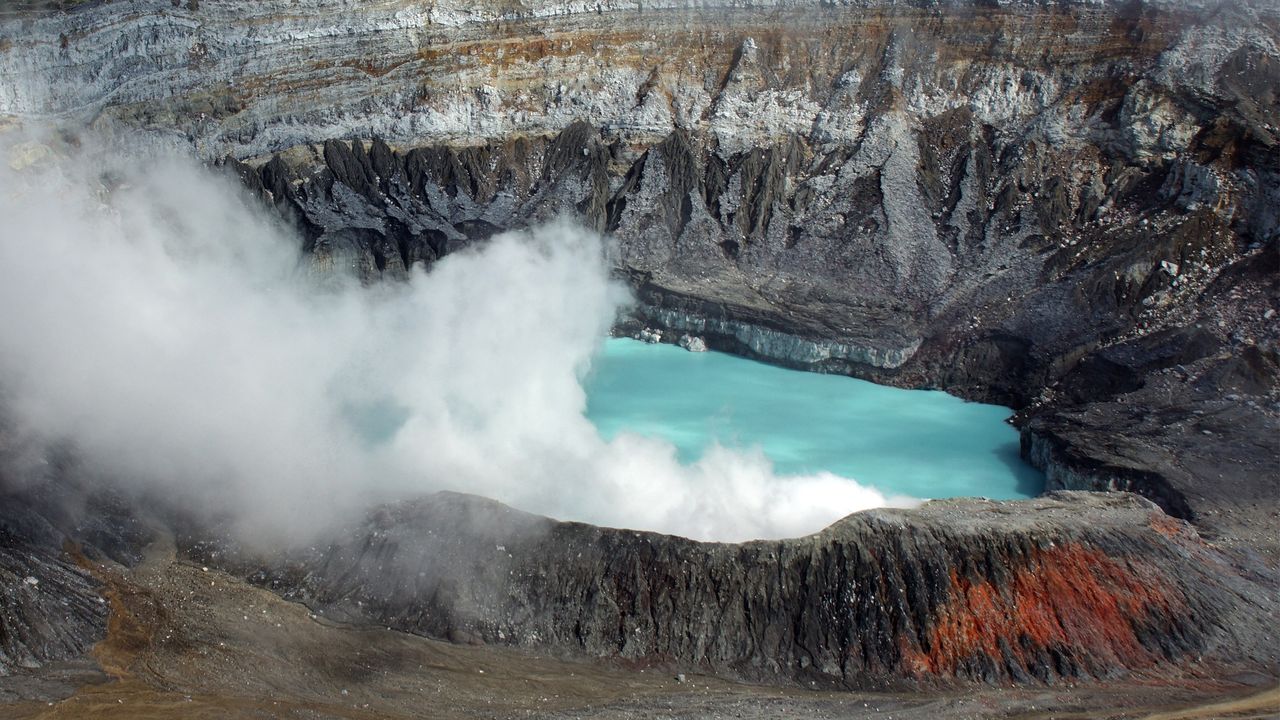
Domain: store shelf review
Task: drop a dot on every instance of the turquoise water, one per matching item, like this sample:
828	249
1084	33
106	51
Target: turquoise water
921	443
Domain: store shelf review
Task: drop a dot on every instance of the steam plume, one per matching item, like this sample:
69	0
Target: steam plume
166	325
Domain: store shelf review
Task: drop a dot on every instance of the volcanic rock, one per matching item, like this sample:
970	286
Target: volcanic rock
1068	207
1068	586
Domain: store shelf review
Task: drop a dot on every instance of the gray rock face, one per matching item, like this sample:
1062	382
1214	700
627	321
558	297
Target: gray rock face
53	524
49	607
940	195
1182	415
913	204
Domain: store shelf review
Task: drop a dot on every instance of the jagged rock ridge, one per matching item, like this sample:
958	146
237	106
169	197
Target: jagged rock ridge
1067	586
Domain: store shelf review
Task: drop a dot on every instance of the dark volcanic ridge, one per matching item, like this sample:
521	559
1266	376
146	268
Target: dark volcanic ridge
1064	587
1068	588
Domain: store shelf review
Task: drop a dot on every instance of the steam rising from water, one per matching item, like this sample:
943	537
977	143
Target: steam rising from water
168	327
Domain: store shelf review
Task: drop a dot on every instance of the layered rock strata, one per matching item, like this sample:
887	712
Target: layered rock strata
957	195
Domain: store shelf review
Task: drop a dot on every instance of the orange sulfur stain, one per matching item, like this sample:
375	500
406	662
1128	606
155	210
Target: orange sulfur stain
1068	597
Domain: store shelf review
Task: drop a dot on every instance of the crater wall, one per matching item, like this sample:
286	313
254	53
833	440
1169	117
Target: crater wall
1069	207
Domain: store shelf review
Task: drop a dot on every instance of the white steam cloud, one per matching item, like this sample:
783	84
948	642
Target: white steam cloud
168	326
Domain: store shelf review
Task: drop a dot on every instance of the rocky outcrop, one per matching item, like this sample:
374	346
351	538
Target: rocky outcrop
54	519
1067	586
1185	414
49	607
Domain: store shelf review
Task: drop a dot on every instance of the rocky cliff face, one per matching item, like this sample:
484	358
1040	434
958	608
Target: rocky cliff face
1069	207
962	195
51	607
